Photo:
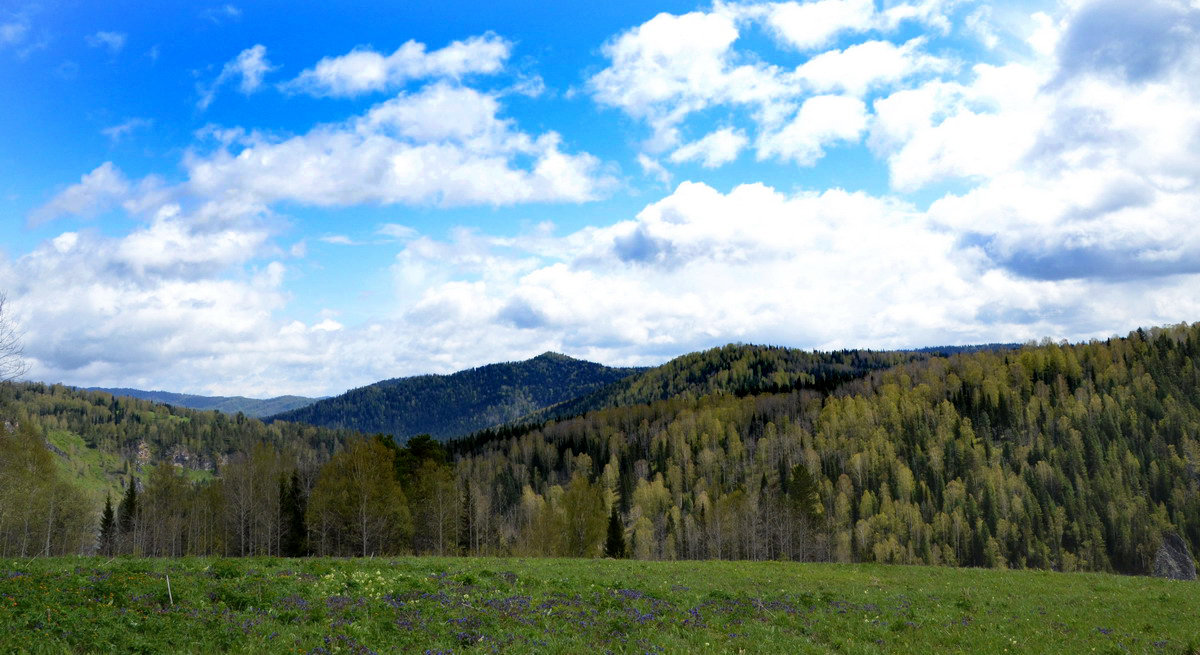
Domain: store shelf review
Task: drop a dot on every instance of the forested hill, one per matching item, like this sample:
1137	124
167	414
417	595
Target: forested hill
100	438
737	369
1063	457
457	404
253	407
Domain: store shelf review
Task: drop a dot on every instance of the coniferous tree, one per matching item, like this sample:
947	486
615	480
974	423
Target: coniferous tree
128	508
614	544
293	504
108	526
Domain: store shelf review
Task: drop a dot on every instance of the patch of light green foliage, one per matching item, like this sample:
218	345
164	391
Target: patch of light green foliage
555	605
99	472
96	471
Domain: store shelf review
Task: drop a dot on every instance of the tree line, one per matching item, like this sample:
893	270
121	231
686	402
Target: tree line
369	498
1056	456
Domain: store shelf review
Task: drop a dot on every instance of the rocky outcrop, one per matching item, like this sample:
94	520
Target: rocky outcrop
1174	560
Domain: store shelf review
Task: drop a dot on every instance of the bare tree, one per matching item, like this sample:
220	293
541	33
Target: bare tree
12	361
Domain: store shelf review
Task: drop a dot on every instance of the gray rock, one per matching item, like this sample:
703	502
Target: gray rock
1174	560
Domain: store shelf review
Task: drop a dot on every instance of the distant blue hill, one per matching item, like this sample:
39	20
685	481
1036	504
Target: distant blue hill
253	407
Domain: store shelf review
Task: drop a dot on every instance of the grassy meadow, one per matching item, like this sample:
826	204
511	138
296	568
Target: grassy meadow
484	605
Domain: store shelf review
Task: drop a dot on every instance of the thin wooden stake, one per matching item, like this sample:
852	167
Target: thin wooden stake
169	594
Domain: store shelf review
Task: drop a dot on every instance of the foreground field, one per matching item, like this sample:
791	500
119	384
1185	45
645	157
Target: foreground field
432	605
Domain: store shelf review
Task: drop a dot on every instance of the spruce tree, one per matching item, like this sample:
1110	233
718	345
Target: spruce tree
107	525
292	506
128	508
614	544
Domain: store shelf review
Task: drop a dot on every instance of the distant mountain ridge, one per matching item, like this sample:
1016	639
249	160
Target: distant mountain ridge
252	407
460	403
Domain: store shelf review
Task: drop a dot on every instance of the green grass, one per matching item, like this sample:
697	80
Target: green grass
579	606
99	472
93	470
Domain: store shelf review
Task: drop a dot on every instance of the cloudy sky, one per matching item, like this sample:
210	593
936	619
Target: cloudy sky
270	198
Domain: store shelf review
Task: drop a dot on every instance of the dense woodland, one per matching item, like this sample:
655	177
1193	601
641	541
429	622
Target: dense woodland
453	405
737	369
1063	457
1066	457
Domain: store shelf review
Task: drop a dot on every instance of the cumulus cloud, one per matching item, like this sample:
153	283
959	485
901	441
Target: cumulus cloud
444	145
861	67
673	67
1073	169
363	70
945	130
198	283
116	308
249	67
1080	164
821	122
830	269
811	25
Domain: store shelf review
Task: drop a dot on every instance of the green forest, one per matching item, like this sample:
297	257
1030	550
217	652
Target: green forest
1049	456
453	405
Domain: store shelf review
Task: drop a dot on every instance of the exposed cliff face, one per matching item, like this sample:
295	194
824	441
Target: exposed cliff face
1174	559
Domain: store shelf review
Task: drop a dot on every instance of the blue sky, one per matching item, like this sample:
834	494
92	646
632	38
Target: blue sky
259	199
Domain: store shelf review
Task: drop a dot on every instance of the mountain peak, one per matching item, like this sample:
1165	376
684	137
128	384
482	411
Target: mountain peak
460	403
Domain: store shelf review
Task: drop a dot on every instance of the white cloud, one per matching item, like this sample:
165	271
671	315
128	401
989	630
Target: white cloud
1082	164
396	231
97	192
1044	38
114	41
363	70
218	14
251	65
865	66
931	13
445	145
118	132
671	67
1073	216
822	121
830	269
979	23
651	166
811	25
943	130
714	149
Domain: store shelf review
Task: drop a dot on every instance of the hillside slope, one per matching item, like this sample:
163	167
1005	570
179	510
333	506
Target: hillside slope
100	439
451	405
253	407
736	369
1072	457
